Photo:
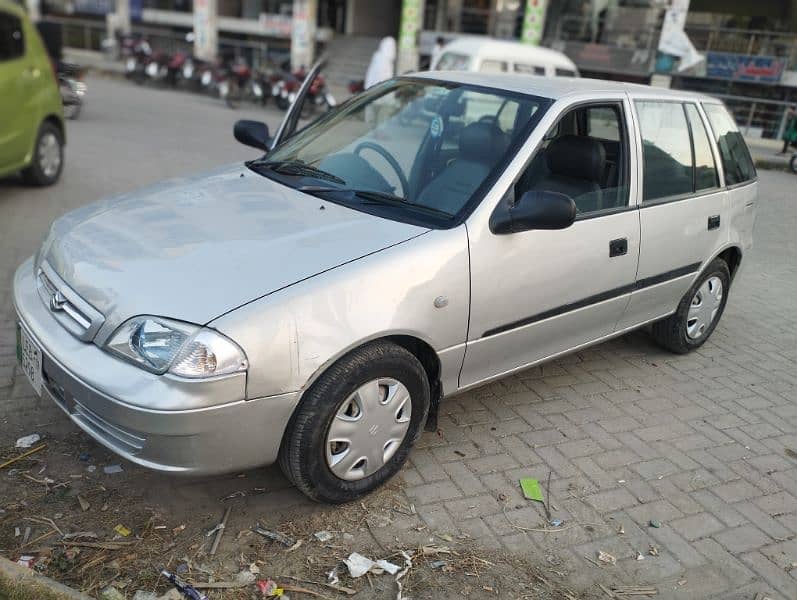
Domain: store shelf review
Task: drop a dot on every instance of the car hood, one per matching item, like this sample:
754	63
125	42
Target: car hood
193	249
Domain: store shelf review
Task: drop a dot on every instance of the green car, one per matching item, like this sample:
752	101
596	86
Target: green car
32	133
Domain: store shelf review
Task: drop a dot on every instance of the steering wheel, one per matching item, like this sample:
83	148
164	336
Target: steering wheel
380	150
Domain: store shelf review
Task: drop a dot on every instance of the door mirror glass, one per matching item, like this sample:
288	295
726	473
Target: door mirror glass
252	133
536	209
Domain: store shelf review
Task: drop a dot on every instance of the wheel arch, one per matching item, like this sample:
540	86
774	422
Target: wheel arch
412	343
732	255
421	348
58	122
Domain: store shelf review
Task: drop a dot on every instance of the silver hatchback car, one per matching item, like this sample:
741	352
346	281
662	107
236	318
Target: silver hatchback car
434	233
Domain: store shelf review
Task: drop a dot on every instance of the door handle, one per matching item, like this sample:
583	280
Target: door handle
618	247
713	222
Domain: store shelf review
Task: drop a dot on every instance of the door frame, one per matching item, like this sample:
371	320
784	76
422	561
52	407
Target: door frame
478	222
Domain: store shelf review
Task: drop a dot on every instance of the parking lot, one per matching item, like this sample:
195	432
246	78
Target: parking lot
704	445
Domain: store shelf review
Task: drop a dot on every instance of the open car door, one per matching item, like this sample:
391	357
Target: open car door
289	124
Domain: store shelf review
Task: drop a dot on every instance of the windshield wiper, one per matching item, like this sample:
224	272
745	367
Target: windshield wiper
294	167
375	197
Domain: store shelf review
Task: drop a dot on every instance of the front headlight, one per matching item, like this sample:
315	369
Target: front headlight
160	345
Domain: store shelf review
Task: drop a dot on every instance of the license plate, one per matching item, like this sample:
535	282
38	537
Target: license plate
30	358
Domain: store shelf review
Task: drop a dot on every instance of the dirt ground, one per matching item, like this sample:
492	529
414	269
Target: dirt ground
73	509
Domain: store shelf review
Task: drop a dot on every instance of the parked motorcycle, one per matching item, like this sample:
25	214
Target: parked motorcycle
356	86
138	55
319	96
72	88
174	67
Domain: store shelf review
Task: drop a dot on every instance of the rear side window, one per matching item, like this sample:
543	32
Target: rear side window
705	169
666	151
527	69
493	66
12	42
735	156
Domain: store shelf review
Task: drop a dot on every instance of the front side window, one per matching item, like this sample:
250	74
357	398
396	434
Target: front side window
602	122
705	169
666	150
584	156
736	160
413	148
12	42
453	61
560	72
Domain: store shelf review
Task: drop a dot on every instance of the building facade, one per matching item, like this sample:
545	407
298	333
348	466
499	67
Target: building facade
749	50
749	46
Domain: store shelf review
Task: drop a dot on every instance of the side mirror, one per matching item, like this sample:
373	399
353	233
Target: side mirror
534	210
252	133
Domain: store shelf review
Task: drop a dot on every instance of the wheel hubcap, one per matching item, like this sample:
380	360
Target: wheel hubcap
704	307
368	429
49	152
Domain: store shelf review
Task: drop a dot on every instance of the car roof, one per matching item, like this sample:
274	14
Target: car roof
476	44
13	8
556	87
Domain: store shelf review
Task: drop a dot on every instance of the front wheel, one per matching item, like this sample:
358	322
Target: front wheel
48	156
355	426
793	164
698	312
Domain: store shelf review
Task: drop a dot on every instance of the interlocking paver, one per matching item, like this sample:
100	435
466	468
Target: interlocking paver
736	491
771	573
695	527
742	539
775	504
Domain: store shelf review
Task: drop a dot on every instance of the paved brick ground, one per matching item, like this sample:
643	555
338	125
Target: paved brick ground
628	433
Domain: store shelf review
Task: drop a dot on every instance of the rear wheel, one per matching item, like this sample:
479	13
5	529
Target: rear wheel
48	156
698	312
355	426
793	164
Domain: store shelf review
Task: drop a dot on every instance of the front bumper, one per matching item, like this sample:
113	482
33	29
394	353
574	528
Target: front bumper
158	421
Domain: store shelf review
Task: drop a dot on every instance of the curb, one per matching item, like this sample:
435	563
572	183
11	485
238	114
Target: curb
20	583
770	164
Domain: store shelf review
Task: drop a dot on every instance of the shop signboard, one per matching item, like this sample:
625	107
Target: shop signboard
411	15
744	67
534	22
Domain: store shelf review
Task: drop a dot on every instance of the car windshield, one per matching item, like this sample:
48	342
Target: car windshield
409	149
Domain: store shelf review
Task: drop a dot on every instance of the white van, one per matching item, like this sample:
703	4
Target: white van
488	55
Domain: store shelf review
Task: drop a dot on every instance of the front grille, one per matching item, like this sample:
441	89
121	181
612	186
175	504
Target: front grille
75	314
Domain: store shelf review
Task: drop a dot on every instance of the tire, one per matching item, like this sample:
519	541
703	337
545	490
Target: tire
793	164
43	170
306	455
681	333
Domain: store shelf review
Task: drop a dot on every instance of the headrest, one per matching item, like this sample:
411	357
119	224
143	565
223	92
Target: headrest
576	156
483	142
